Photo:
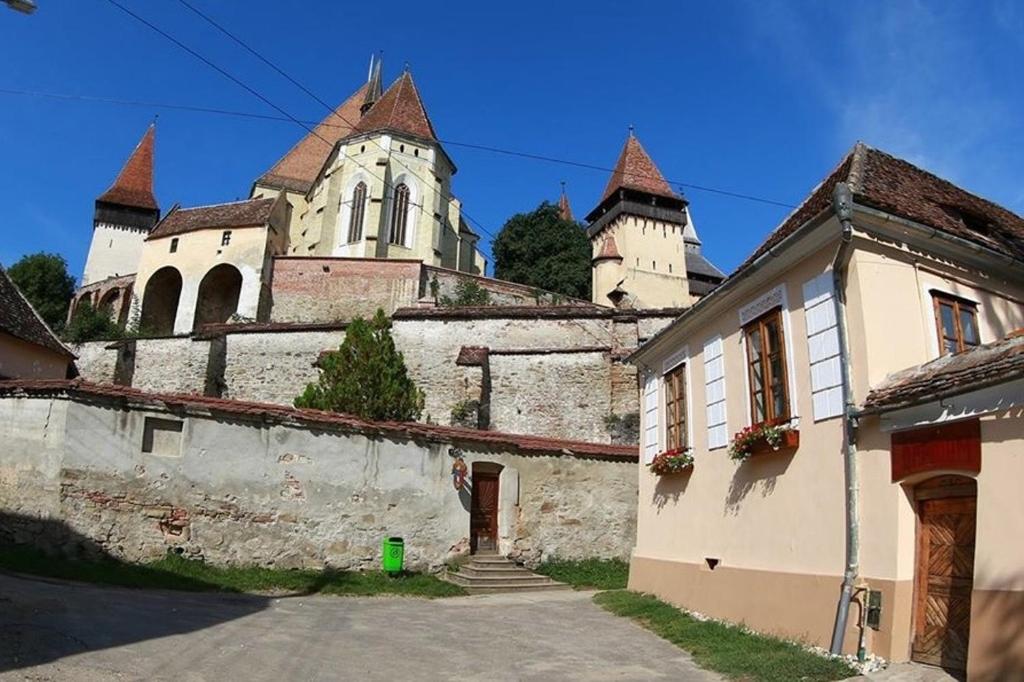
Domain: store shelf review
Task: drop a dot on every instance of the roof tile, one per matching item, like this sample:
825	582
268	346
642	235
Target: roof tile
19	319
635	170
399	109
250	213
134	184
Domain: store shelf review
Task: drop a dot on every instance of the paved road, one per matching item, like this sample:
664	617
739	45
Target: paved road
61	631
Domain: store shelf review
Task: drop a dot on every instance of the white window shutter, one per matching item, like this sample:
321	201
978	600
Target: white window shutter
714	393
650	418
823	347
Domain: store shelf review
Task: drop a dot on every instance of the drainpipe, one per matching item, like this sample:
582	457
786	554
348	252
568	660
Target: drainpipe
842	205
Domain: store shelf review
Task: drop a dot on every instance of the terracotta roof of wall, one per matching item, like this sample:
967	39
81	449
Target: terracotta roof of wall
267	413
472	356
609	250
299	167
134	184
635	170
249	213
221	328
399	109
881	181
530	312
19	319
986	365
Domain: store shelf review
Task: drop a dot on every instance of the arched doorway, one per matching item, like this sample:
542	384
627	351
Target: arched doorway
160	302
218	295
110	305
944	575
483	509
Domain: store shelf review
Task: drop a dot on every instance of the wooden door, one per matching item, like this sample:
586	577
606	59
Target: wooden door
483	514
945	577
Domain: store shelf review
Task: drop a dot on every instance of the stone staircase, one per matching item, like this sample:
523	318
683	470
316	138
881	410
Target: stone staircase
489	573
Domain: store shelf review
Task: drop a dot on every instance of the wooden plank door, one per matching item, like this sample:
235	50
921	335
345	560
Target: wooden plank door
483	514
945	578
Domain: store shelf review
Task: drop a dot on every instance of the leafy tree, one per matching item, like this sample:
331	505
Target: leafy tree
44	279
90	324
467	293
540	249
366	376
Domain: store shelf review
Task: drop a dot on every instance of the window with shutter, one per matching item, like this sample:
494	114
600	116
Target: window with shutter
650	409
766	368
823	347
675	408
714	393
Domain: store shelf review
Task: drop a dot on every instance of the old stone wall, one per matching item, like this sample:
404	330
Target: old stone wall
442	282
172	365
274	367
96	362
86	473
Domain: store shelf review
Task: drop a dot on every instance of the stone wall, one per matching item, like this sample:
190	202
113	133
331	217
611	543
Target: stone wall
172	365
96	361
80	471
274	366
441	282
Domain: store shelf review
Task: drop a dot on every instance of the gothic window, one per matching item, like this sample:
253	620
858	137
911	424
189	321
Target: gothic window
399	214
355	223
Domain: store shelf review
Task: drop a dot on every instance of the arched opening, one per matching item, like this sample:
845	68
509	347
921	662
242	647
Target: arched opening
218	295
110	305
944	575
399	215
357	212
483	510
160	302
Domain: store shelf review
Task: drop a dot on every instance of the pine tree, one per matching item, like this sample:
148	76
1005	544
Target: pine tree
366	377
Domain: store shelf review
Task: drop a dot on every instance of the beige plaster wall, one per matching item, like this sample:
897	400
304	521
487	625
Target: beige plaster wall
23	360
653	263
114	251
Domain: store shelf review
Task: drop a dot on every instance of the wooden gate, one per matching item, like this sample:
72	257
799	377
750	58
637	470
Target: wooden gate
945	571
483	514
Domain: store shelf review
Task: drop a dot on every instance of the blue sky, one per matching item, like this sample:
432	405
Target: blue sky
760	98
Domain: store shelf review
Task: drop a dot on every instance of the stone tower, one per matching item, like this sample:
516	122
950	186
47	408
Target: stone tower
642	243
123	217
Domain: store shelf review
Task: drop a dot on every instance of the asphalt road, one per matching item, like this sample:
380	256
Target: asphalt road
62	631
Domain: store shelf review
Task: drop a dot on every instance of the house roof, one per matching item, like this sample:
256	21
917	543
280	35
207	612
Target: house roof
399	109
635	170
881	181
270	413
297	169
986	365
19	319
134	184
249	213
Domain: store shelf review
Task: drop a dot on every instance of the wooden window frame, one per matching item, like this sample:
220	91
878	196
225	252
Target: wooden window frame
760	323
400	214
357	212
939	298
676	436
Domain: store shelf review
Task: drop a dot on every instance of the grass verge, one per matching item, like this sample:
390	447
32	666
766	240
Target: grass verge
728	650
176	573
599	574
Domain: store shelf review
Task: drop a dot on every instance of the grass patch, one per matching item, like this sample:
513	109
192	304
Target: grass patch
599	574
176	573
727	650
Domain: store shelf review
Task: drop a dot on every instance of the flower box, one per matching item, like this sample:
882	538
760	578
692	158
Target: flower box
763	438
677	461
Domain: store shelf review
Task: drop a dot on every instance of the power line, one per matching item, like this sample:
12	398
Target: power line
454	143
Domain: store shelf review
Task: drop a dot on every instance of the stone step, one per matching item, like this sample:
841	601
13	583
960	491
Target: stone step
527	579
495	560
499	584
492	589
494	570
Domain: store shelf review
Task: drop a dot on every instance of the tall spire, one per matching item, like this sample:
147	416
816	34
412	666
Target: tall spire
134	184
399	109
564	209
373	82
635	170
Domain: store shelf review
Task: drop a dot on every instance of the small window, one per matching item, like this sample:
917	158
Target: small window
766	367
675	408
956	321
225	238
654	265
415	152
401	148
670	267
174	245
161	437
362	148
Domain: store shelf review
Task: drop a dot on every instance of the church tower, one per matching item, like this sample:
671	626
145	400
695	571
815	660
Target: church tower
123	217
642	242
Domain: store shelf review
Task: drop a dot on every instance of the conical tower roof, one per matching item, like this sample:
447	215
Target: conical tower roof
399	110
635	170
297	169
564	209
134	184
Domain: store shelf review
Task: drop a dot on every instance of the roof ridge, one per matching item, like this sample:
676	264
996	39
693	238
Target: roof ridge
224	203
52	336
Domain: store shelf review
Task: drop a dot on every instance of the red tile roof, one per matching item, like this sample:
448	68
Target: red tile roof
296	170
269	414
532	312
134	184
473	356
635	170
987	365
609	250
399	109
886	183
19	319
564	209
250	213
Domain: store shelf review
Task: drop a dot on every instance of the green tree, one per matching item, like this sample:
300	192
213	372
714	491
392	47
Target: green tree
44	279
366	376
540	249
467	293
90	324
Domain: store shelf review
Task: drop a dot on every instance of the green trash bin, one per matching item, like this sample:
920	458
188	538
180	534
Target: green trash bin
392	555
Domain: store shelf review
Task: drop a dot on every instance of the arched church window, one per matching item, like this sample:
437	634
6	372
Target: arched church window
399	214
355	223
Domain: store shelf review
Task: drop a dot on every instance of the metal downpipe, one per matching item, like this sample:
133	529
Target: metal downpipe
842	204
